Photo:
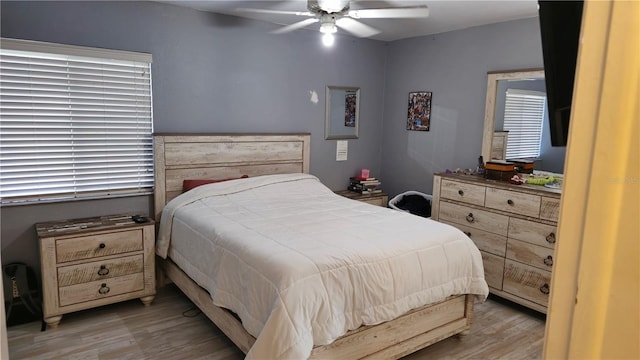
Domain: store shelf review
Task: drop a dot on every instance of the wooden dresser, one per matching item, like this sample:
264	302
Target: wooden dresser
379	199
95	261
514	226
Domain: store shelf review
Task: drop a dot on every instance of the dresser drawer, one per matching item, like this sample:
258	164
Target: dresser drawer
527	282
101	289
532	232
514	202
549	208
484	240
463	192
534	255
97	245
475	218
99	270
493	269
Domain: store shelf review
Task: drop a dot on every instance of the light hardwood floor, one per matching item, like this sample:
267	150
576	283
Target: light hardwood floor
168	329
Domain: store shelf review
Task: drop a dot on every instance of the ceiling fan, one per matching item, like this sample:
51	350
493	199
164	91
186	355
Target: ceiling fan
332	14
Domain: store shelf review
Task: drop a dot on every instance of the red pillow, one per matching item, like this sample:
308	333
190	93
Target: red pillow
190	184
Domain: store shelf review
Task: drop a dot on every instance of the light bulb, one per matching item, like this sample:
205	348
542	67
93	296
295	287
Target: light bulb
327	39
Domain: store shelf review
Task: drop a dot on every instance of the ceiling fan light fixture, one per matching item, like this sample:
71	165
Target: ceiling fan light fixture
328	39
332	14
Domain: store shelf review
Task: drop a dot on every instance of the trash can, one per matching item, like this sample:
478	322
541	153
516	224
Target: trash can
414	202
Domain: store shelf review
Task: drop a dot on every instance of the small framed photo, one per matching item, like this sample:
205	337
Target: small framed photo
419	112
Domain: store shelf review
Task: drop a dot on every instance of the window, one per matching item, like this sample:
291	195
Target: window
523	118
75	122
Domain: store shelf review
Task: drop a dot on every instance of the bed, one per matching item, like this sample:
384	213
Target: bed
320	301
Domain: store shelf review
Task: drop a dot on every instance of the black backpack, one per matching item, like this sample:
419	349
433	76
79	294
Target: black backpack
22	294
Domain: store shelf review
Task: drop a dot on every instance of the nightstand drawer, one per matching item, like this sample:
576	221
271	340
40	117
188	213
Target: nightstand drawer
463	192
527	282
514	202
94	290
375	201
99	270
97	245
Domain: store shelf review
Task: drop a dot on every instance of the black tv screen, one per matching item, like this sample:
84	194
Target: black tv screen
560	32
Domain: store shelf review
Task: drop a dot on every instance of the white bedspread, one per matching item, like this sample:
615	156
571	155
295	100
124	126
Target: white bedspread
301	266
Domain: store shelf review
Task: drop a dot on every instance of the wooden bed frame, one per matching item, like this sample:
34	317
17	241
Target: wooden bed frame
217	156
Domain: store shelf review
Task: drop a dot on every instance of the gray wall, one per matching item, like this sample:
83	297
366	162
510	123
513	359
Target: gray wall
211	73
454	67
214	73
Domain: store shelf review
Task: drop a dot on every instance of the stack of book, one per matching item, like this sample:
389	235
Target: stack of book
362	185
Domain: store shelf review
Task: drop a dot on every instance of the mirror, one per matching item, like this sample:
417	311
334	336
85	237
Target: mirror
342	112
494	138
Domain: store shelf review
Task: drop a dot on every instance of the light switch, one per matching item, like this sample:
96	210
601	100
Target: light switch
342	150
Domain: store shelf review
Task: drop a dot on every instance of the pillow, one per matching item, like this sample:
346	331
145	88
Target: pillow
190	184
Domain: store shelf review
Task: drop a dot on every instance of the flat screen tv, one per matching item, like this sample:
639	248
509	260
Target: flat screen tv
560	32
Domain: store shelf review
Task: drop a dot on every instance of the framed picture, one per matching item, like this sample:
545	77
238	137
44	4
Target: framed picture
350	109
419	113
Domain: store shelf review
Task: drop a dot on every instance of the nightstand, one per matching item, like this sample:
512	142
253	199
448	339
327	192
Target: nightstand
95	261
379	199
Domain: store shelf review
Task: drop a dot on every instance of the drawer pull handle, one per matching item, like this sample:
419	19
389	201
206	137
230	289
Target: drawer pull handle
467	233
103	270
510	202
104	289
102	246
470	218
544	289
460	192
551	238
548	260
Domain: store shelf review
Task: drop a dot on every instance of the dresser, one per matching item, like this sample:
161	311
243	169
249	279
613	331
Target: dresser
93	262
514	226
379	199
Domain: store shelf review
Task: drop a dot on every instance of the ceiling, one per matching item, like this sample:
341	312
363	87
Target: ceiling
445	15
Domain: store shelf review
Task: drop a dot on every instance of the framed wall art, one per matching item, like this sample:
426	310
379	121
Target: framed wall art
419	112
342	104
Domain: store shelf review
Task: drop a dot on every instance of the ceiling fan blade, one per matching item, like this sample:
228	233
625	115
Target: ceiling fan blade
295	26
356	27
395	13
277	12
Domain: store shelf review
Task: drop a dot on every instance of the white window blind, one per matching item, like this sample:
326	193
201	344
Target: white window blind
75	122
523	118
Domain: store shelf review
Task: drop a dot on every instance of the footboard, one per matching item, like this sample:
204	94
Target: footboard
393	339
404	335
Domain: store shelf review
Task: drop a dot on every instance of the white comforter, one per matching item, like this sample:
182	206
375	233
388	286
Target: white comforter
301	266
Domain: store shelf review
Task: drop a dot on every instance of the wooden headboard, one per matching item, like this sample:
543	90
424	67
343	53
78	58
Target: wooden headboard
219	156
